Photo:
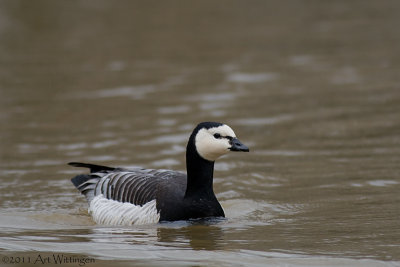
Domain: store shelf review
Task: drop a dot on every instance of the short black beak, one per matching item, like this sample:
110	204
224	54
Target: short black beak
238	146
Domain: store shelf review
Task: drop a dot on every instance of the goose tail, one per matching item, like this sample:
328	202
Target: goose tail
86	183
92	167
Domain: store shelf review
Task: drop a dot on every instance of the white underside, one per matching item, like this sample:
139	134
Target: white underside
111	212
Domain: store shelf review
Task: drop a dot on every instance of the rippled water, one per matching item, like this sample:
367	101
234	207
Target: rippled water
313	88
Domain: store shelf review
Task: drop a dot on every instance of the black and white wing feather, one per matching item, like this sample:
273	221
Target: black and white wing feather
136	186
120	196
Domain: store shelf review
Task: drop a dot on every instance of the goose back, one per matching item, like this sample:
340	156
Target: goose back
136	186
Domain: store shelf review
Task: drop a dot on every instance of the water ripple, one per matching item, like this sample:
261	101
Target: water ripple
241	77
263	121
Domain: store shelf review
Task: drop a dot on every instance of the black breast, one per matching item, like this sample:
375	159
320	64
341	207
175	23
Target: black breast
173	205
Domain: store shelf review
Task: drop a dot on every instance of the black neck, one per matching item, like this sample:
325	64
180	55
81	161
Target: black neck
200	173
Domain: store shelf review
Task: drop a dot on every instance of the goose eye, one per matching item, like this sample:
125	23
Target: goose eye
217	135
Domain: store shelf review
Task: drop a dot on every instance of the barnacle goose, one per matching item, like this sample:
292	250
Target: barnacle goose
119	196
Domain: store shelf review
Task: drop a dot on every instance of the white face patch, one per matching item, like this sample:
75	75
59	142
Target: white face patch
210	147
112	212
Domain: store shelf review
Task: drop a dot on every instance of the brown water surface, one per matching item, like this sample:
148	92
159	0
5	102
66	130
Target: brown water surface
312	87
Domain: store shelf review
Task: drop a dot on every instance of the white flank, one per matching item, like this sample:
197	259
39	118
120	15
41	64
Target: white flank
112	212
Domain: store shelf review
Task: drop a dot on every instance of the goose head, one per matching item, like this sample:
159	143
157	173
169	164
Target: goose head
213	140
